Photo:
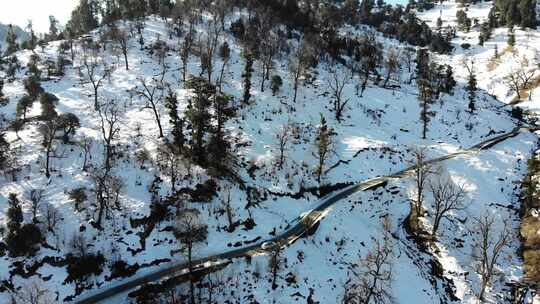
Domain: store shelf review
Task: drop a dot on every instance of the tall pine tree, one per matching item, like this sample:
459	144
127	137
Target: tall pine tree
425	89
248	71
11	40
171	103
471	88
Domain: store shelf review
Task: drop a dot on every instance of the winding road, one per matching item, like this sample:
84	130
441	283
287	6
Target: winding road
303	225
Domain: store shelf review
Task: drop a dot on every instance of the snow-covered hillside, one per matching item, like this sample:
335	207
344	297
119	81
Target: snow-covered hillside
376	136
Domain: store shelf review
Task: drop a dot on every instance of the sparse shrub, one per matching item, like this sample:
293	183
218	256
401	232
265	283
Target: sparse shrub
276	84
121	269
204	192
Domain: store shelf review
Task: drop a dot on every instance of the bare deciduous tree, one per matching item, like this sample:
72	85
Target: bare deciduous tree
372	283
36	195
447	197
185	51
48	129
152	91
190	230
78	245
121	38
170	161
32	293
297	68
228	209
107	189
52	217
208	46
275	263
94	73
109	119
391	64
490	244
421	172
86	145
520	78
283	137
336	83
269	44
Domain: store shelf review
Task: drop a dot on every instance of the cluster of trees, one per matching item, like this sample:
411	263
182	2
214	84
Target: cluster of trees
206	113
447	197
432	80
513	13
370	280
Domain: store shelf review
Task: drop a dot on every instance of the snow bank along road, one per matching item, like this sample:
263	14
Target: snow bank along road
304	224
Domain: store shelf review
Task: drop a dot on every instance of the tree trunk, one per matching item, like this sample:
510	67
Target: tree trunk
436	224
96	104
158	121
483	289
364	84
108	155
263	78
47	173
221	75
386	80
191	285
295	90
101	201
126	61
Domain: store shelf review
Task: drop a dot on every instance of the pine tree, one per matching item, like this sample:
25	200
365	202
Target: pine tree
7	160
3	99
248	71
219	148
11	40
198	115
83	18
471	88
511	37
527	9
425	97
32	39
48	103
449	81
23	105
32	65
171	103
425	89
32	85
324	147
53	28
14	214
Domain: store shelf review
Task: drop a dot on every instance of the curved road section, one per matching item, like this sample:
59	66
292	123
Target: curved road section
304	224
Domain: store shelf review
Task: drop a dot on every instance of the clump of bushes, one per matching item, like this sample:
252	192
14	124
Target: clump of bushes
81	267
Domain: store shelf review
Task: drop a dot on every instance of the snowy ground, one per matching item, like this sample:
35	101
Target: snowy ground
374	139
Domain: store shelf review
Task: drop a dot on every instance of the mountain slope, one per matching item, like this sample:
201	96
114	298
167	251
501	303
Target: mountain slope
375	137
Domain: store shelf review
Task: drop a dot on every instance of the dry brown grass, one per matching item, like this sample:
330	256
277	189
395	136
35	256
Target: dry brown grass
495	60
530	225
532	265
535	83
530	230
